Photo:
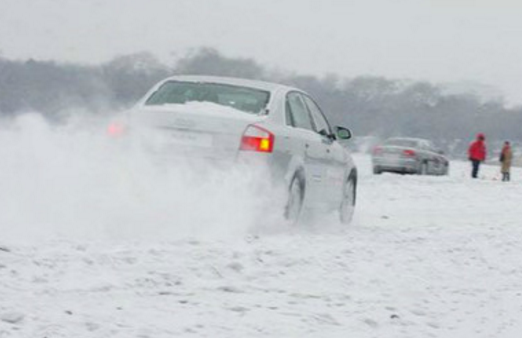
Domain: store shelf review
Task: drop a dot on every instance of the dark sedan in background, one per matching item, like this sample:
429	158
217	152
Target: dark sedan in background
409	155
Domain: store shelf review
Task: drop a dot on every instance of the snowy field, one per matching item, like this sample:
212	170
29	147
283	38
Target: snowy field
424	257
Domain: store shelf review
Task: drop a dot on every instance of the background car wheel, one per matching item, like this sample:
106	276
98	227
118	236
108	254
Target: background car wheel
376	170
295	199
423	170
347	208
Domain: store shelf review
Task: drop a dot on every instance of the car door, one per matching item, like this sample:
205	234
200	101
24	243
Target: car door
335	160
305	142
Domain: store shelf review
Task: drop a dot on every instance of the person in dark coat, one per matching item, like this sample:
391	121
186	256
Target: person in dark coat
505	157
477	154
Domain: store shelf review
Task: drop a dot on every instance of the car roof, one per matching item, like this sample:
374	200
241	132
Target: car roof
414	139
262	85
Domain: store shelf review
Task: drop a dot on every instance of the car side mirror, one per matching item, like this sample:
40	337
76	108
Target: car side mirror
343	133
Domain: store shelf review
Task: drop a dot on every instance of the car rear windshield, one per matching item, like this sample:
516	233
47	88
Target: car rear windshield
245	99
402	143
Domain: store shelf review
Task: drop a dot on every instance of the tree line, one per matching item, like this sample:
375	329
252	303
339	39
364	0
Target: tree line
371	106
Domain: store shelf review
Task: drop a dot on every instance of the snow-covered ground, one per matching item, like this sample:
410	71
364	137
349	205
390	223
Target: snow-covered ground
424	257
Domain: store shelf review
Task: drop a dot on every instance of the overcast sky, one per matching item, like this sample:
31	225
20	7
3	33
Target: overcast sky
436	40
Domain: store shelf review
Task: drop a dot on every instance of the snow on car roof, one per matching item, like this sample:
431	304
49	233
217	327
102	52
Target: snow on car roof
411	140
407	139
268	86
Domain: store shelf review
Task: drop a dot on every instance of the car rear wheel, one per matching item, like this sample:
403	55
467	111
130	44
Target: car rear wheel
295	199
377	170
423	170
446	170
347	208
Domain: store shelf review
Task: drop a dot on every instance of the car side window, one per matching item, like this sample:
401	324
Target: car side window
296	112
320	123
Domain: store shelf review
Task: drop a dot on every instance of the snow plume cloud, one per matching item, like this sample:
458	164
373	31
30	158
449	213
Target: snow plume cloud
73	181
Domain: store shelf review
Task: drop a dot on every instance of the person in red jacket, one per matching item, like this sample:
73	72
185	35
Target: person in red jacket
477	154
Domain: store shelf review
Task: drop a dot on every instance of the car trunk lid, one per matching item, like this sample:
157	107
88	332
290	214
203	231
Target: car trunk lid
199	129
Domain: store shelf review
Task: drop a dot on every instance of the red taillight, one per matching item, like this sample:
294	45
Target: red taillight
256	138
377	150
115	129
408	153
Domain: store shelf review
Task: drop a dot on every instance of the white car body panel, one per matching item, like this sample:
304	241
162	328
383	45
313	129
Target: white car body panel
214	131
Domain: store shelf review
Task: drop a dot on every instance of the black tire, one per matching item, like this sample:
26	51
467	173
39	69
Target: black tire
296	193
377	170
347	208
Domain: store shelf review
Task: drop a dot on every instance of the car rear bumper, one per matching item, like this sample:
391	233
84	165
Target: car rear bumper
395	164
249	163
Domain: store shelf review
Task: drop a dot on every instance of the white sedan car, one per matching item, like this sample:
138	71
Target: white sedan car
236	120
